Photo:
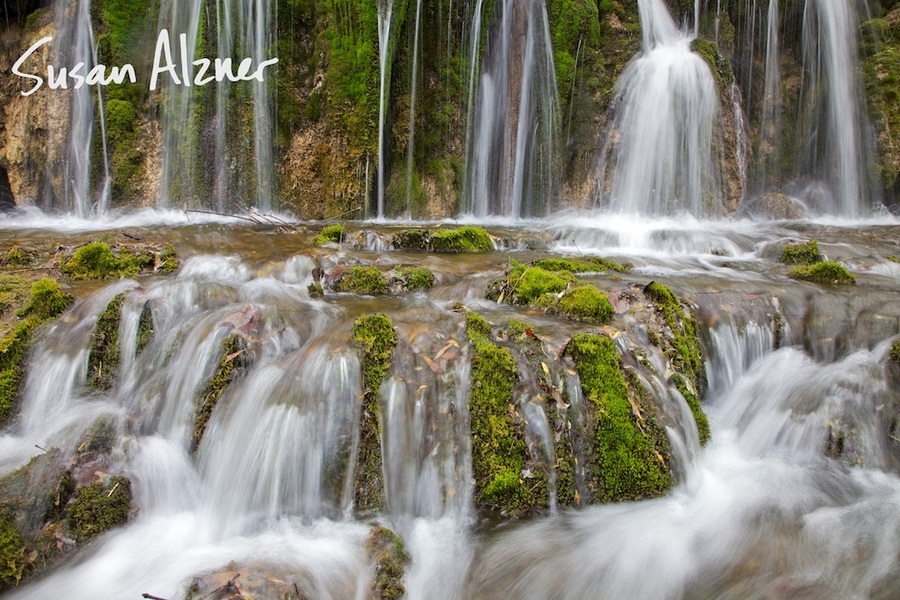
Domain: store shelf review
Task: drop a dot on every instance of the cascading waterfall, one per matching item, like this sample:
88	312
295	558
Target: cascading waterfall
76	44
836	148
658	154
510	160
385	10
412	113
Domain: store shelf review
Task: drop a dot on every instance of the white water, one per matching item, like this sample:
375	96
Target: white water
385	9
412	114
515	126
658	154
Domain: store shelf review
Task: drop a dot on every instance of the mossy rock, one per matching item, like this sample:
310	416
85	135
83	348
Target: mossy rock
96	260
700	418
586	303
895	352
388	552
375	335
14	560
145	328
363	280
824	272
526	285
103	360
232	359
411	239
333	234
801	254
477	327
590	264
168	260
683	348
99	507
17	257
461	239
415	279
629	449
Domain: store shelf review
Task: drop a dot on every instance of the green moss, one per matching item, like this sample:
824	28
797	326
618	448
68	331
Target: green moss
586	303
416	279
629	462
331	234
525	285
693	401
103	360
582	265
13	556
824	272
168	260
411	239
895	352
391	560
461	239
227	368
516	328
375	335
145	328
99	507
688	353
363	280
892	259
477	327
16	257
801	254
45	301
315	290
96	260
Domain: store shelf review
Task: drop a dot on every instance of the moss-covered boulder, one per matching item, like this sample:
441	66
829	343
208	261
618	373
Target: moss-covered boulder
586	303
414	279
96	260
526	285
824	272
895	352
333	234
461	239
387	551
367	280
375	336
99	507
801	254
587	264
103	359
629	455
145	328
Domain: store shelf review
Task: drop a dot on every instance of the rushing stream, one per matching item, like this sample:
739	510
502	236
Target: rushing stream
762	511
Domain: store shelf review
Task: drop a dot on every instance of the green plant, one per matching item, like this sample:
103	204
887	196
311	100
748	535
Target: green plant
824	272
801	254
363	280
586	302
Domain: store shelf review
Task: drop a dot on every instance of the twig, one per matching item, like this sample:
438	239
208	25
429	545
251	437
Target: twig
131	237
152	597
109	495
218	214
40	448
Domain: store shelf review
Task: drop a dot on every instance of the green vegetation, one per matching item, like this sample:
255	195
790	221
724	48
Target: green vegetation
16	257
331	234
586	303
13	558
411	239
525	285
895	352
375	335
686	352
99	507
363	280
145	328
45	301
801	254
96	260
167	261
499	451
229	365
103	360
415	279
693	402
824	272
461	239
391	559
591	264
629	450
881	71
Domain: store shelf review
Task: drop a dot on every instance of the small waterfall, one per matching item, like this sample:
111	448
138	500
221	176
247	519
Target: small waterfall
75	44
511	155
837	152
385	10
412	114
659	151
770	126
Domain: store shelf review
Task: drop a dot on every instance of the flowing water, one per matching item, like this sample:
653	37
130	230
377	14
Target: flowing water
769	509
385	10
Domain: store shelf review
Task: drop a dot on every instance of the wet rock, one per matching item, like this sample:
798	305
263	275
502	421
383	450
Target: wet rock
775	207
250	582
7	199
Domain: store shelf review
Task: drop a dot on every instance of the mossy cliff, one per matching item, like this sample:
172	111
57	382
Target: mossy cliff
375	336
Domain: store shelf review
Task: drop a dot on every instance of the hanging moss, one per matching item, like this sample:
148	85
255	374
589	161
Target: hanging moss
331	234
45	301
391	559
824	272
363	280
586	303
461	239
375	335
14	561
687	355
801	254
229	365
629	461
145	328
99	507
103	360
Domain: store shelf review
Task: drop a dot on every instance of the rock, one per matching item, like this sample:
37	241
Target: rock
774	206
7	200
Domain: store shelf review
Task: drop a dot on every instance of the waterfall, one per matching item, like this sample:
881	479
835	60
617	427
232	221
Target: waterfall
76	44
412	114
659	150
511	156
836	148
385	9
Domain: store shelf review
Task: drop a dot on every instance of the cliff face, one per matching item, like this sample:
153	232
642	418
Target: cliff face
324	110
